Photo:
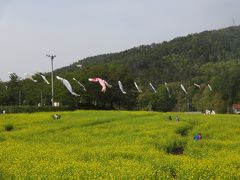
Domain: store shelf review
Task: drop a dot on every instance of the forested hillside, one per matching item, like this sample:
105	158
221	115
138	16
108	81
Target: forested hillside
210	57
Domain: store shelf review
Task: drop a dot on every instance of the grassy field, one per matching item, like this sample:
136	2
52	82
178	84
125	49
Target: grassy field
119	145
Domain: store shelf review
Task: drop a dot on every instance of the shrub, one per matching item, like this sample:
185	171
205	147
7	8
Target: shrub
183	130
8	127
175	146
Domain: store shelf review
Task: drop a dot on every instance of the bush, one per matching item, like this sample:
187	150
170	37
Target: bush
175	146
8	127
183	130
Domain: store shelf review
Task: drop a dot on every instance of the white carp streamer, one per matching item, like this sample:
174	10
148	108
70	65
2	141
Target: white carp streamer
27	76
121	87
183	88
67	85
139	90
169	95
210	88
80	84
197	85
153	88
44	78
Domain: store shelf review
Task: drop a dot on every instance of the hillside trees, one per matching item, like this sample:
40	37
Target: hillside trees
210	57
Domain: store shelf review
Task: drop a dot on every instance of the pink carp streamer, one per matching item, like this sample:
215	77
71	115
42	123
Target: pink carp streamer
102	82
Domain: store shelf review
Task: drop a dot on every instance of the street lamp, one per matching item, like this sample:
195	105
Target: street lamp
52	57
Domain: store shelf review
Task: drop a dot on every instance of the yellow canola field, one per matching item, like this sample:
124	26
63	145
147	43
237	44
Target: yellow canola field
119	145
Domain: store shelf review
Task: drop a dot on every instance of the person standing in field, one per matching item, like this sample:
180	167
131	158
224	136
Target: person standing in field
177	119
198	137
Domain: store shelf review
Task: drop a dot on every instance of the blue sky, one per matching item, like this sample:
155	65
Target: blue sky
75	29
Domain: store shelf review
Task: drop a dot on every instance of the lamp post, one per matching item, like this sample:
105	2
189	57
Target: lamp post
52	57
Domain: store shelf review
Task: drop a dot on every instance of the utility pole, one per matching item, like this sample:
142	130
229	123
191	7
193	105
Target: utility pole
52	57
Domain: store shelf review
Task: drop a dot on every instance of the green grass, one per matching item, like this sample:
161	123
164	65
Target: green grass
119	145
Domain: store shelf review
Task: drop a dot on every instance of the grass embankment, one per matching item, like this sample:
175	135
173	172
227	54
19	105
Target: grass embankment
118	144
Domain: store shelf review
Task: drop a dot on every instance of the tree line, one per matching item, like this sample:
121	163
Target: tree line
210	57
